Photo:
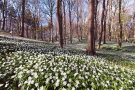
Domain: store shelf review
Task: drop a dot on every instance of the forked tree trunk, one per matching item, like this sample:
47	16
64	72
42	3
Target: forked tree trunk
91	39
59	18
102	24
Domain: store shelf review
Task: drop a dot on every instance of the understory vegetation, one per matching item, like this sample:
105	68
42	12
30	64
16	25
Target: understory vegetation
30	65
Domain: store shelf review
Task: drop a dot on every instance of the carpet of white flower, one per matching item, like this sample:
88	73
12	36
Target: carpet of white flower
61	70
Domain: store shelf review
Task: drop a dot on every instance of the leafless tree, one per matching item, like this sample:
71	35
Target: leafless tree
91	39
59	18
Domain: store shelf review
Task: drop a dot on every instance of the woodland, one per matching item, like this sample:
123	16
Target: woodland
67	45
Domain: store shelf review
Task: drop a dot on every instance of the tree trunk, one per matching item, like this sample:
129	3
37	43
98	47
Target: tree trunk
41	32
27	31
6	21
59	18
104	38
110	20
81	31
4	17
95	18
0	21
23	13
64	22
91	39
77	22
10	25
81	24
102	24
134	27
105	16
70	21
51	27
56	33
120	23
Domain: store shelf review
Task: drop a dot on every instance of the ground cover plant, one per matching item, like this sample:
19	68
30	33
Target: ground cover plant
59	69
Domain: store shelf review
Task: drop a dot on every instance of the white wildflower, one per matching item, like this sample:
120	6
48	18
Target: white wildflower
36	84
64	83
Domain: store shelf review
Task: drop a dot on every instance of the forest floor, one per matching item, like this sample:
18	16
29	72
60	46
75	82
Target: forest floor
124	56
32	64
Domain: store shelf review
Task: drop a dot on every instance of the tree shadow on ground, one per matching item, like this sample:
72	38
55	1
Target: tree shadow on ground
126	62
129	48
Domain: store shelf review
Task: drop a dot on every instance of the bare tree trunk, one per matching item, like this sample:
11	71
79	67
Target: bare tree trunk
104	38
64	22
4	17
41	32
59	18
110	20
70	21
134	26
91	38
10	27
27	31
81	31
51	28
102	24
81	24
0	21
105	16
20	29
56	34
35	28
120	23
23	13
6	22
77	22
95	18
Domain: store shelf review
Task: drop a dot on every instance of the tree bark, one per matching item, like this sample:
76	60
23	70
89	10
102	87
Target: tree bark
110	20
70	21
120	23
0	20
64	10
27	31
59	18
41	32
134	27
91	39
105	16
51	27
23	13
95	18
102	24
4	17
77	10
